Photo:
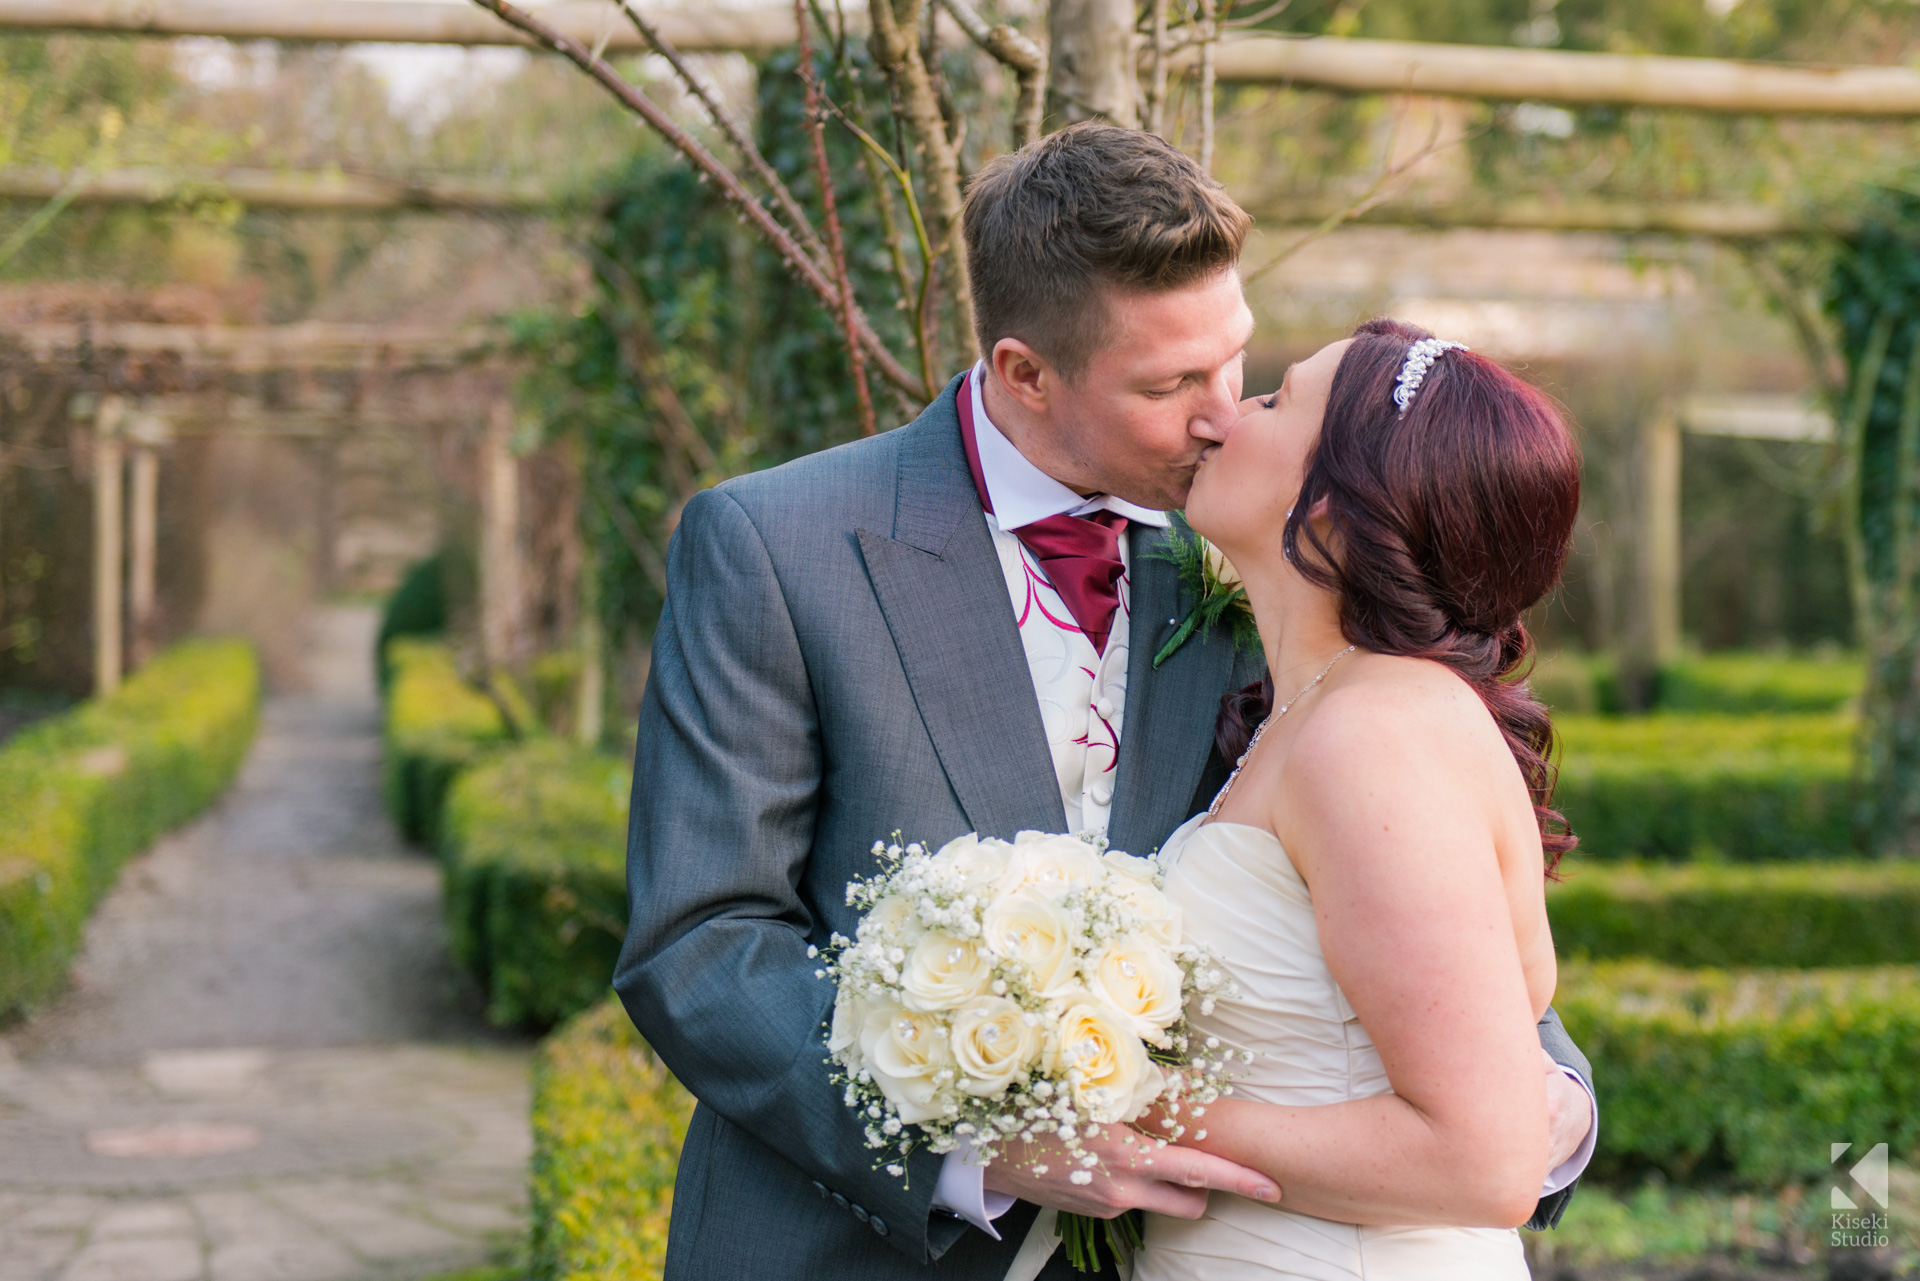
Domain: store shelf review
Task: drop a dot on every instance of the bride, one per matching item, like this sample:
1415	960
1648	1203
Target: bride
1373	874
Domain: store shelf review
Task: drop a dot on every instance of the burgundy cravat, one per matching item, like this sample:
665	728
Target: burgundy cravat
1079	554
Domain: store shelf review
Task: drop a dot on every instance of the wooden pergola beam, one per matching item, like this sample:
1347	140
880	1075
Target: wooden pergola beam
1680	218
324	192
695	29
1354	66
328	191
1570	79
248	348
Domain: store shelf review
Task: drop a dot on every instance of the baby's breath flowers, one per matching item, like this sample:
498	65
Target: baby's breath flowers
1000	992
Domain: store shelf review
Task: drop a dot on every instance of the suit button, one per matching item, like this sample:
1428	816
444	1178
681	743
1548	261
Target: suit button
860	1213
878	1224
841	1201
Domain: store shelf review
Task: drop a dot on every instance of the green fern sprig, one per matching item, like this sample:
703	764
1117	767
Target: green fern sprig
1214	601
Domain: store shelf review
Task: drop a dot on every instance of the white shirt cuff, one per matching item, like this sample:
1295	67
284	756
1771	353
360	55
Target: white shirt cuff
1574	1166
962	1190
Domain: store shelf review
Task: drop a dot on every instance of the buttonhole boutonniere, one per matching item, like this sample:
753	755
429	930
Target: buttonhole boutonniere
1210	581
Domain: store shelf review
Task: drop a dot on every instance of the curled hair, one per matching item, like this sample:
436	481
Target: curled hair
1451	520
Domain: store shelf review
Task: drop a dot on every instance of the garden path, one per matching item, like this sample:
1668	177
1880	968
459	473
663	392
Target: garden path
266	1068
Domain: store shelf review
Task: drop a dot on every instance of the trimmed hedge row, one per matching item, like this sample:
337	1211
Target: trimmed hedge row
83	791
1745	1075
1671	786
533	843
1786	914
436	726
1738	684
608	1122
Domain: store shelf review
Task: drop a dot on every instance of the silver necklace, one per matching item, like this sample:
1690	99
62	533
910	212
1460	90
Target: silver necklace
1275	715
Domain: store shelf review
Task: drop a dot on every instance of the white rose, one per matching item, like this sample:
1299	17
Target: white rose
977	863
905	1051
1141	981
1155	917
1053	865
943	973
1111	1077
1219	568
992	1044
1140	869
1026	928
849	1014
892	919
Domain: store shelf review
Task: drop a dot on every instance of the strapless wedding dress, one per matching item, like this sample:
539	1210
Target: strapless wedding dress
1239	893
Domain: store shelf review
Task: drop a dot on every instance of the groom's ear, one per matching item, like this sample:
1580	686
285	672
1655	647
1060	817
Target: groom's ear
1028	377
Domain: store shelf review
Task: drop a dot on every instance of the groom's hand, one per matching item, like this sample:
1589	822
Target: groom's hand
1135	1175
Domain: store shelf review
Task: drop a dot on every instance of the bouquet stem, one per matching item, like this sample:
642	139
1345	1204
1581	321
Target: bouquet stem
1082	1236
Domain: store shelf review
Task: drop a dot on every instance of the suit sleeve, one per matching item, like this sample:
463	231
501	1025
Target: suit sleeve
1555	1041
727	779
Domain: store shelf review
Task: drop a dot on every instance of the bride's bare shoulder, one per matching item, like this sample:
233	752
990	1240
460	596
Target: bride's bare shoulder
1394	714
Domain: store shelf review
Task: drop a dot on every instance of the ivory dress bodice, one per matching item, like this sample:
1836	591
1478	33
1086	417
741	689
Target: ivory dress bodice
1240	893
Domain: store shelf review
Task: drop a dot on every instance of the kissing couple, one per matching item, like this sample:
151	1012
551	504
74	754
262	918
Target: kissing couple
953	628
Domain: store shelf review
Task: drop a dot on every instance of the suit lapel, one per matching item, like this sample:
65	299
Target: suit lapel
940	587
1167	732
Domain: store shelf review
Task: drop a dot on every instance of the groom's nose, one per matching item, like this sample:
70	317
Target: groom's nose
1219	407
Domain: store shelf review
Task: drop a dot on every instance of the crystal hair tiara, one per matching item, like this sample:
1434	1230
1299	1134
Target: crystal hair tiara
1420	358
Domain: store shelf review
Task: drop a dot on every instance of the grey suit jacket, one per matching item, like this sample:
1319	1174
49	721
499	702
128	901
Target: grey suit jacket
838	660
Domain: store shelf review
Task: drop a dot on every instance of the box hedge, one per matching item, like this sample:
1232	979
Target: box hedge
83	791
1745	1075
1674	786
436	726
608	1122
1728	683
534	845
1782	914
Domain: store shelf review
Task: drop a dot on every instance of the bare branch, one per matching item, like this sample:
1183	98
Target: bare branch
742	141
704	161
1157	81
1209	45
1027	61
894	45
816	129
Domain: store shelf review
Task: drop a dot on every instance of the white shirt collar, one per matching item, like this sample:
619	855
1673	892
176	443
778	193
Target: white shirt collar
1021	493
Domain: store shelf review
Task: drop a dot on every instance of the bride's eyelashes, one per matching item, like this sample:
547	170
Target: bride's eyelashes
1268	402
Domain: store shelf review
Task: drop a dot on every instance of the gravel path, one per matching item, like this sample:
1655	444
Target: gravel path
266	1068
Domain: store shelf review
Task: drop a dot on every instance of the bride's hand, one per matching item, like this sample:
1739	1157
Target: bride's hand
1569	1114
1133	1174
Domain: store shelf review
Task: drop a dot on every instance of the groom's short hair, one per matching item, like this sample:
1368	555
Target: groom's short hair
1092	207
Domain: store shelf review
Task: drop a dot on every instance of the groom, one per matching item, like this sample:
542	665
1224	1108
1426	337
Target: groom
948	628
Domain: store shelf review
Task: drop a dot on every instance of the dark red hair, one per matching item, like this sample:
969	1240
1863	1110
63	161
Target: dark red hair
1451	520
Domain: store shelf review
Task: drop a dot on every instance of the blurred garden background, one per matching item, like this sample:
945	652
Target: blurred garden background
356	358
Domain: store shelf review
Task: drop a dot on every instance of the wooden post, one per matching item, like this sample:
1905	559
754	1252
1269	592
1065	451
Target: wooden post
1090	63
499	540
109	465
146	434
1660	533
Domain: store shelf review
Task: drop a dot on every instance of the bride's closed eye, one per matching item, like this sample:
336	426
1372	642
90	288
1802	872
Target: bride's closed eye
1268	402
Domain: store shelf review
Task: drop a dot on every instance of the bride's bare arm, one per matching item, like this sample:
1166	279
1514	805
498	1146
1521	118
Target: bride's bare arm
1391	803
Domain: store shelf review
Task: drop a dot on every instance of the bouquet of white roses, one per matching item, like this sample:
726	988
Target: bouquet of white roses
1000	992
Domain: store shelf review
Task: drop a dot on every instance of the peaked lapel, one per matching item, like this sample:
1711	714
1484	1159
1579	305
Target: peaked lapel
1167	732
940	587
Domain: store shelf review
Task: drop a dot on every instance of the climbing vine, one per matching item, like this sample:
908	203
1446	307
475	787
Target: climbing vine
1873	296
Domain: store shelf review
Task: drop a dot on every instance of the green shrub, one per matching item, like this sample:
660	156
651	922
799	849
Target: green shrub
418	607
534	846
1819	914
1675	786
1745	1075
83	791
1744	684
608	1122
436	726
